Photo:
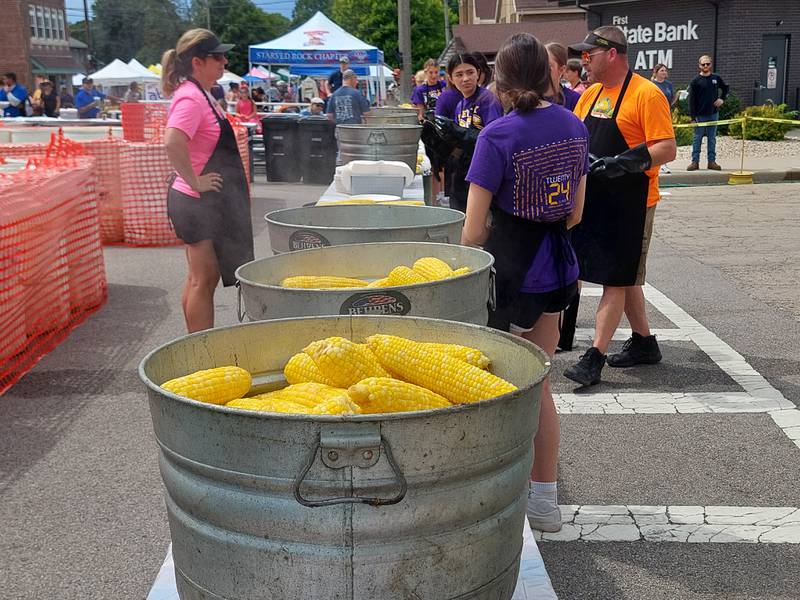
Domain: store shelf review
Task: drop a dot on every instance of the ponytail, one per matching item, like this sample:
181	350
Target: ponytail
522	72
176	64
527	100
170	79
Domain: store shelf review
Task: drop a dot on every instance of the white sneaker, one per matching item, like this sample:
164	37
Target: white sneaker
664	169
543	514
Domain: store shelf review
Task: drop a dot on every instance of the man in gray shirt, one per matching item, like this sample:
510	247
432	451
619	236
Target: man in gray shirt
347	105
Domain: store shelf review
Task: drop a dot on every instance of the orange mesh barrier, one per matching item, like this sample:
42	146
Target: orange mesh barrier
142	121
52	274
145	173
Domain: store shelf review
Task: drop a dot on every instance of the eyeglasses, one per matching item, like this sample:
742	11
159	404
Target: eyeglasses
705	64
587	57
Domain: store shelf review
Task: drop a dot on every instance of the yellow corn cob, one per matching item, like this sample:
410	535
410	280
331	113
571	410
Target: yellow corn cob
384	282
322	282
216	386
386	395
352	201
460	272
271	402
340	405
402	275
310	394
301	368
450	377
432	268
469	355
343	362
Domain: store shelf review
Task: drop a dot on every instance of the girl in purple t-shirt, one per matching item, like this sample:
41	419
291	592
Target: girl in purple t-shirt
529	169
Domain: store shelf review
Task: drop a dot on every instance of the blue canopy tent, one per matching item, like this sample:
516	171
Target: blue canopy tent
319	44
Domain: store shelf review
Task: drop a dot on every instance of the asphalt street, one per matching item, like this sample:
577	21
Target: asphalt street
81	501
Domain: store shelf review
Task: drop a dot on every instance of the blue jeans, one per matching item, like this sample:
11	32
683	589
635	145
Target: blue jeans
710	132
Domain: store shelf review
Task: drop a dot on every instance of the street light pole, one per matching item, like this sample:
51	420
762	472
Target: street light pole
404	42
446	23
88	35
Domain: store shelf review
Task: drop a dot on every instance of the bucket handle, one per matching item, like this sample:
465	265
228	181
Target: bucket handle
492	289
439	237
351	445
241	312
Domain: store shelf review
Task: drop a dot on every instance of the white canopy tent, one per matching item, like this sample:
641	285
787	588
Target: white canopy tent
319	43
228	77
118	73
137	66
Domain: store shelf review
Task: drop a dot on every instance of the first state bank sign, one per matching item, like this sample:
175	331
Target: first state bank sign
661	32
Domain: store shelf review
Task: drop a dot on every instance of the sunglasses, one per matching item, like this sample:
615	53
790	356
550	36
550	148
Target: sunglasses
705	64
587	57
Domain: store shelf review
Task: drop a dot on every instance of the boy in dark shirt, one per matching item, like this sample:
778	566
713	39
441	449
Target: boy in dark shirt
707	92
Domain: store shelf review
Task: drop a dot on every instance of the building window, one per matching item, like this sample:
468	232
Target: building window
39	22
48	24
62	34
32	13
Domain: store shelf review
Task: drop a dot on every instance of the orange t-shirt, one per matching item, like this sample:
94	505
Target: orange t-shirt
643	117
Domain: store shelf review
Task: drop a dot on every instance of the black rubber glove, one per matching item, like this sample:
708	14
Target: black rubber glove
435	146
634	160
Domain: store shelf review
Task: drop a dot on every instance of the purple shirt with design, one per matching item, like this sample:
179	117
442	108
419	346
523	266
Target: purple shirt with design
478	110
532	163
447	102
423	92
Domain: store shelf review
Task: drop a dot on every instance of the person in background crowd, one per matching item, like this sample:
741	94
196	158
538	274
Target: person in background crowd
36	96
49	100
336	79
67	101
245	107
232	95
419	78
707	92
529	170
208	201
289	104
218	93
630	135
476	110
133	94
308	89
560	94
347	105
484	70
573	75
258	95
15	94
426	94
317	107
448	100
273	94
660	74
89	100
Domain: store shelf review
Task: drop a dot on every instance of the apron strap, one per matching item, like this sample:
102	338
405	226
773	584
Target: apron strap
215	110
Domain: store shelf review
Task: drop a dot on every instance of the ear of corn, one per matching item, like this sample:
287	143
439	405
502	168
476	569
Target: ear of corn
271	402
386	395
339	405
432	268
343	362
310	394
450	377
215	386
402	275
469	355
384	282
322	282
460	271
301	368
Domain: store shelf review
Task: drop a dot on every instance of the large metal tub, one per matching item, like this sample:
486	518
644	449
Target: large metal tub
379	142
307	227
460	299
268	506
392	116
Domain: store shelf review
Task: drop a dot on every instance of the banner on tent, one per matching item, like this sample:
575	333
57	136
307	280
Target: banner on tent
266	56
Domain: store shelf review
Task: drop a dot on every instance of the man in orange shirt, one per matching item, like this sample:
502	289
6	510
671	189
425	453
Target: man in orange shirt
630	135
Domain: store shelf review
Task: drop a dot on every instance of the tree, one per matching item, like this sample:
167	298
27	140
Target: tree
375	22
305	9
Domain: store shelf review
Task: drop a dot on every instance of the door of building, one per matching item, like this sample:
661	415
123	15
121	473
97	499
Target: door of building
774	52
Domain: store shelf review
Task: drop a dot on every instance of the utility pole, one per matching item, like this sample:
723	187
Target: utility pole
446	23
208	15
404	41
88	35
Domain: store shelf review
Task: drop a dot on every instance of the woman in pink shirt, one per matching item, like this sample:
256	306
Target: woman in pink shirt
245	107
209	200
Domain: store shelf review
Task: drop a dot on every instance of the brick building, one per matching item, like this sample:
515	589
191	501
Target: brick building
35	37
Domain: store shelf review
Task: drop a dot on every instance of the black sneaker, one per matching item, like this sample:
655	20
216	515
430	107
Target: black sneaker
637	350
587	370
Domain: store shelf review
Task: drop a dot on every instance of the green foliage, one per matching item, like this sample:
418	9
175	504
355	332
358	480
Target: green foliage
305	9
375	22
728	110
762	130
683	135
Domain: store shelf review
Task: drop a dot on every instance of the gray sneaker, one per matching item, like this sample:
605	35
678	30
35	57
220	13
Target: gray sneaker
543	515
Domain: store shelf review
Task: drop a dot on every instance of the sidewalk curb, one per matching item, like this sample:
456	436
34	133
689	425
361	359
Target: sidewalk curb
706	177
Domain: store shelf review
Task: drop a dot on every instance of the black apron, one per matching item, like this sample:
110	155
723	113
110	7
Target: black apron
233	243
514	243
608	240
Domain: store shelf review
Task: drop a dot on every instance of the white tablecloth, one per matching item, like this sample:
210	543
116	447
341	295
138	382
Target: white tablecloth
415	191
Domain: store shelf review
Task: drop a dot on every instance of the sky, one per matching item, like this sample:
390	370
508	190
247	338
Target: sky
284	7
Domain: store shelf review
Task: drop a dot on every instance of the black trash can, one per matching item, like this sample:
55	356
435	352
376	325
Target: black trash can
281	147
317	149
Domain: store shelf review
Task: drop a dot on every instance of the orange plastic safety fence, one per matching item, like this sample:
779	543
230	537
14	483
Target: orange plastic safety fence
52	274
143	122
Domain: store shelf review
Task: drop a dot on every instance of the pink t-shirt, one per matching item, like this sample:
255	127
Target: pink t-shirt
190	113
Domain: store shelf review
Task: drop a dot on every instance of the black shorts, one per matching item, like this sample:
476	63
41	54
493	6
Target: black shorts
532	306
194	219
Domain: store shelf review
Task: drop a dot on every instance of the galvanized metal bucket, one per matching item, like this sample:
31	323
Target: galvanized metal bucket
396	506
379	142
392	116
460	299
307	227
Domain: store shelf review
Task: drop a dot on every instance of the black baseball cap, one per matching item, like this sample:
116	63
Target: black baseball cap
593	41
211	45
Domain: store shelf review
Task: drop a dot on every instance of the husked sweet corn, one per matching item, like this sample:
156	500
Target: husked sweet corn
343	362
432	268
215	386
271	402
301	368
383	282
402	275
386	395
339	405
456	380
322	282
469	355
310	394
460	271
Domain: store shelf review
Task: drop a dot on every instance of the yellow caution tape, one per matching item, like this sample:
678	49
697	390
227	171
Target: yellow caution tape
729	121
792	121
